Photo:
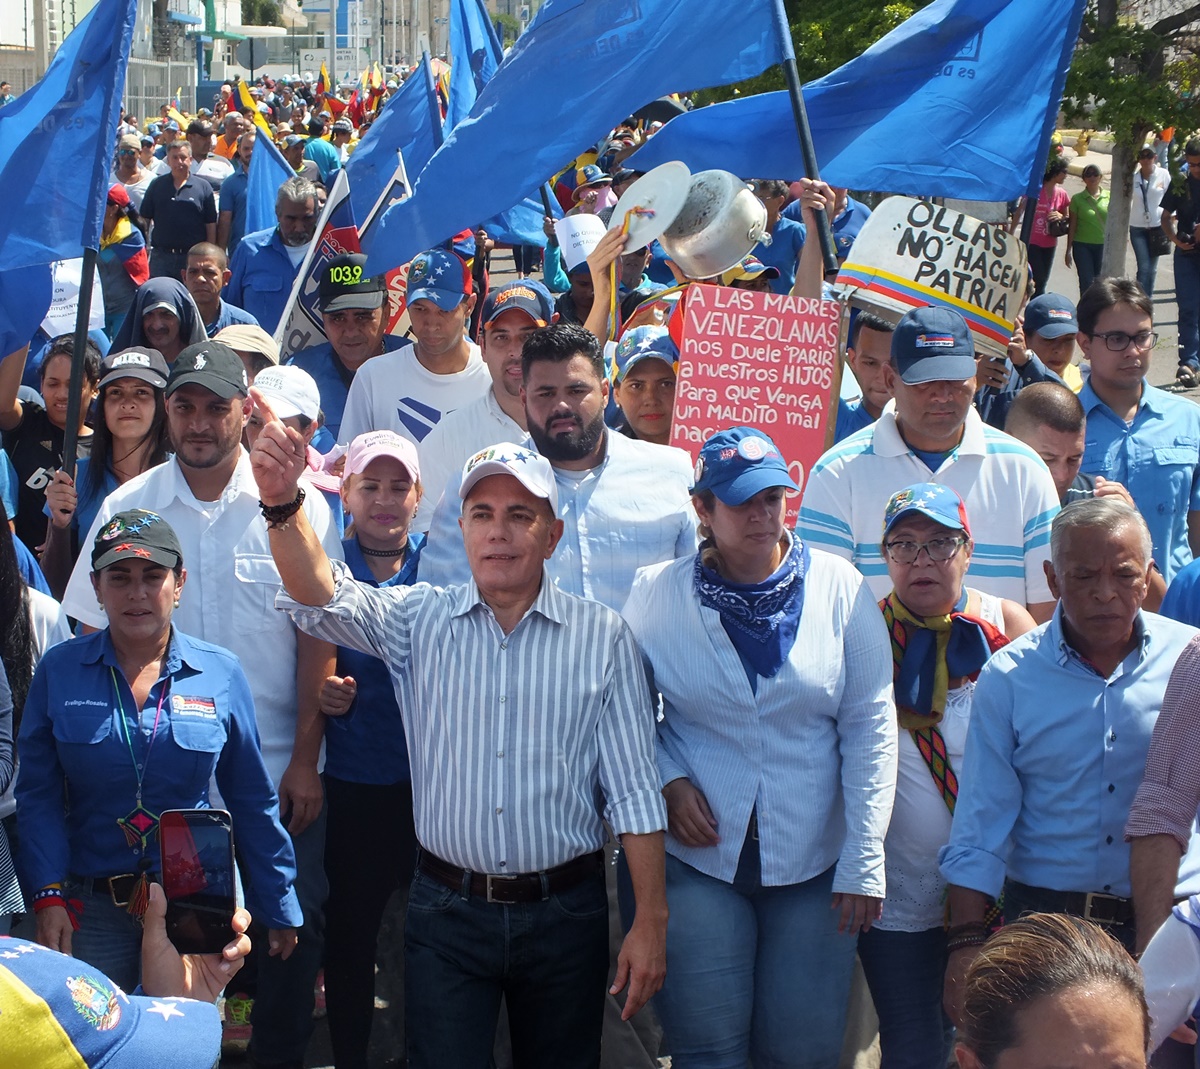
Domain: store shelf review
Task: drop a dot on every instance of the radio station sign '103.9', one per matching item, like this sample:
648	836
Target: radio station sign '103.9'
759	360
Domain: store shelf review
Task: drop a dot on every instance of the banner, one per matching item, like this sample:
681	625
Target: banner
911	253
760	360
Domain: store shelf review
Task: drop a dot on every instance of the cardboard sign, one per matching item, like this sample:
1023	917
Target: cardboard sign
911	253
64	304
577	236
759	360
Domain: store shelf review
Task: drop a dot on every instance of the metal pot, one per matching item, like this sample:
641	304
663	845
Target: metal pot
720	222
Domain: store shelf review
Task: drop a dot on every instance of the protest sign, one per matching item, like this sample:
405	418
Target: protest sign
64	303
911	253
577	236
760	360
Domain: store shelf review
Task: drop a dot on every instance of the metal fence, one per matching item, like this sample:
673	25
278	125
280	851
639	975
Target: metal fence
151	83
16	67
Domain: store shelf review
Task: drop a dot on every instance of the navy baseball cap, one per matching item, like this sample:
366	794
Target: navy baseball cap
933	344
292	140
524	295
738	463
439	276
213	365
1051	315
137	362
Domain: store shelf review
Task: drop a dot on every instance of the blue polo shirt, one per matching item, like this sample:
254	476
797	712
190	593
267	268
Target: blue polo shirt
325	156
233	199
852	416
179	215
227	315
198	721
787	239
333	380
845	227
261	277
366	745
1158	461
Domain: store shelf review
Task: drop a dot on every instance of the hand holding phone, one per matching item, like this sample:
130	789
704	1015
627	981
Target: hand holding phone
196	848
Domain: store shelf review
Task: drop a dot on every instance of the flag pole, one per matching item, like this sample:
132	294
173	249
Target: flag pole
803	131
83	313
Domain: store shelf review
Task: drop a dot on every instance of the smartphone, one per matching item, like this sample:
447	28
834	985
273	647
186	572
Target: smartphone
197	876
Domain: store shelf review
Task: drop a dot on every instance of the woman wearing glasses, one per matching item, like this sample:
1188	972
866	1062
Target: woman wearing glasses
941	634
777	752
1139	435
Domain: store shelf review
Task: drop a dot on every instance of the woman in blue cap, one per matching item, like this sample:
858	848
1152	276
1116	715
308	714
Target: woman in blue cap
942	633
777	751
121	725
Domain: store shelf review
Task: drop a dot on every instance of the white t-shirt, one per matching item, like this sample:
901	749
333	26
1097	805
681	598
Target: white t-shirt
395	392
920	824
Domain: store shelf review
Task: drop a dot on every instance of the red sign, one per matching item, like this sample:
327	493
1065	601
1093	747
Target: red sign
759	360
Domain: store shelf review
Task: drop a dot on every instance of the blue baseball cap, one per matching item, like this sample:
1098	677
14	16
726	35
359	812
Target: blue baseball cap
523	295
933	344
439	276
1051	315
643	343
931	500
61	1011
738	463
171	124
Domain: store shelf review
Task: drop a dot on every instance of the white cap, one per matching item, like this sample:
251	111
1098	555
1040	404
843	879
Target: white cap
374	444
291	391
530	469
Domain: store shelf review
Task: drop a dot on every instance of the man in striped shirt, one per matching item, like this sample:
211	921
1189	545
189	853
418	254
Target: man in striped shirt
935	435
522	707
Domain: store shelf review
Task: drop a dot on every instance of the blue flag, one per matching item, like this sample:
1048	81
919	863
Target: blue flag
268	171
407	124
957	101
608	57
25	297
56	143
475	53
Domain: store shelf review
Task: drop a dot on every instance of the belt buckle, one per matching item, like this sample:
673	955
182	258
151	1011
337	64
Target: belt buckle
497	879
1094	897
112	888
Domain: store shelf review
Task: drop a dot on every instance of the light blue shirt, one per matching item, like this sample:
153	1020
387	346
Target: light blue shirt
1158	460
812	751
1054	757
631	510
518	743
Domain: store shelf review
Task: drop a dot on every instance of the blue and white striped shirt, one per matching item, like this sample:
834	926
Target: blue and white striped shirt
512	738
813	751
1009	494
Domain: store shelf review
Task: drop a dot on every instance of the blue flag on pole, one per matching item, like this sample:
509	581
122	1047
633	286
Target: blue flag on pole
406	124
957	101
475	54
609	57
56	143
268	171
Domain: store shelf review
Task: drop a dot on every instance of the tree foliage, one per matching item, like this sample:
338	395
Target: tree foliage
825	34
260	13
510	27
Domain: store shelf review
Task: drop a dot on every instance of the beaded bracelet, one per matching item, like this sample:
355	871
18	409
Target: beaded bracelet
277	516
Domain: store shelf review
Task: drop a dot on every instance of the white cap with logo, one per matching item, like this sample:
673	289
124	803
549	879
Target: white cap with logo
291	391
530	469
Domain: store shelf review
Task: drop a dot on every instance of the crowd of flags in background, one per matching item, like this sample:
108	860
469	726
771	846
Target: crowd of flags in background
951	102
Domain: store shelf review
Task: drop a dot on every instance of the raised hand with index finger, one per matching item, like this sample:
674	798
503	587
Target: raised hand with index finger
279	456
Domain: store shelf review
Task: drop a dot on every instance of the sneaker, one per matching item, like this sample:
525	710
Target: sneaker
1187	376
319	1009
235	1031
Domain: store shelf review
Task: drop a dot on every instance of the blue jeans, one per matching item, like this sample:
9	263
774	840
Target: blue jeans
1088	259
283	1002
548	959
905	972
1041	260
1187	297
109	939
753	973
1147	265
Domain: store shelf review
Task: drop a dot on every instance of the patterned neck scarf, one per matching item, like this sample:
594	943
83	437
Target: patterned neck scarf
929	651
760	619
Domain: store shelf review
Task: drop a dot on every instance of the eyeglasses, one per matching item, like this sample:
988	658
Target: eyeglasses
1118	341
938	549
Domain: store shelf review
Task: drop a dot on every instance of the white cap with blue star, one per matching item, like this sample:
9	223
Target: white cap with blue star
530	469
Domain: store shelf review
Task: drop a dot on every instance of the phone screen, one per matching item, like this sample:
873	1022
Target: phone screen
197	877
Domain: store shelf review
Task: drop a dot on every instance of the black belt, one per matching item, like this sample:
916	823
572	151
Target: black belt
119	888
522	887
1090	905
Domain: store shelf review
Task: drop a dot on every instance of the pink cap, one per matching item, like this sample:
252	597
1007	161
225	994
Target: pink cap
366	447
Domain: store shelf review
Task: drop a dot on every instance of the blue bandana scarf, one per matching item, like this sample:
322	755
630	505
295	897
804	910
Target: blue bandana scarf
760	619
